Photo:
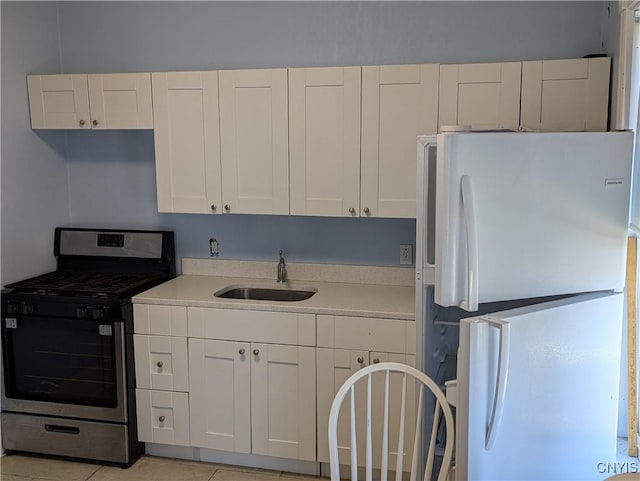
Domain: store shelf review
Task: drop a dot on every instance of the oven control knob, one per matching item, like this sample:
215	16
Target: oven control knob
81	312
13	308
28	308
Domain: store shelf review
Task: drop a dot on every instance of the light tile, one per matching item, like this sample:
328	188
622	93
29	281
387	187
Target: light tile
12	477
298	477
237	475
246	469
157	469
46	469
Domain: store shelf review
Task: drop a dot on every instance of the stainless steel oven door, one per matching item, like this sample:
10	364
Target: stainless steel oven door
71	368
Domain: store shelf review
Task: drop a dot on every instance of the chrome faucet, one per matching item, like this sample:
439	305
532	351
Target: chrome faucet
282	269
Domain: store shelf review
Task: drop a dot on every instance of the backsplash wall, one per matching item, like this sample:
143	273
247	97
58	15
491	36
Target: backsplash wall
112	174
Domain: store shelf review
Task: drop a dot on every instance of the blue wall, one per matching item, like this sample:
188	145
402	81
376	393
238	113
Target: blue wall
35	191
112	174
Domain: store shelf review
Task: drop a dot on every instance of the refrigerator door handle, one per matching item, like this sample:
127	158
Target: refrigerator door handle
471	303
501	383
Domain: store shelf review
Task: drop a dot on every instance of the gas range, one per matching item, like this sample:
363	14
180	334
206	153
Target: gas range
67	339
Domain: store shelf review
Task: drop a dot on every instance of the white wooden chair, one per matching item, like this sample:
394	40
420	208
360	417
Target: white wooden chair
423	383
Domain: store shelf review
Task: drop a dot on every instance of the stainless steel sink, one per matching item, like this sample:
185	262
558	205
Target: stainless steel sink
265	293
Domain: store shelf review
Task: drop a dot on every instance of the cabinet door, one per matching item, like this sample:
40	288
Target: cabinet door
59	101
120	101
399	102
161	363
163	417
254	141
483	96
333	369
187	141
283	401
324	141
566	95
220	396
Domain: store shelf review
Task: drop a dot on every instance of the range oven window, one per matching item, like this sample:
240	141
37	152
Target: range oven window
70	361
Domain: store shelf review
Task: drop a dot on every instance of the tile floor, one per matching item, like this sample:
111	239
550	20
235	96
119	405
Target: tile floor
27	468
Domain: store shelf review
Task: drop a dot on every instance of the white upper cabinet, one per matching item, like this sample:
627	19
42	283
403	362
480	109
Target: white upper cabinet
324	142
97	101
565	95
254	141
120	101
187	141
399	102
483	96
59	101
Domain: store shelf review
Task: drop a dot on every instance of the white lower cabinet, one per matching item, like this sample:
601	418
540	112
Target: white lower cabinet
257	382
283	401
220	395
163	417
253	398
345	345
161	362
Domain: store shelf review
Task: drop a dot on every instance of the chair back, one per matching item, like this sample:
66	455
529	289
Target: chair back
424	387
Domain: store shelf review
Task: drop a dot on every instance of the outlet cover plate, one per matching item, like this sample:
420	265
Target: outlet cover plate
406	254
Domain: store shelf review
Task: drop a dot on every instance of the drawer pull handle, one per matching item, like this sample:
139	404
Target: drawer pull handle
256	352
161	419
159	364
56	428
376	361
241	351
361	360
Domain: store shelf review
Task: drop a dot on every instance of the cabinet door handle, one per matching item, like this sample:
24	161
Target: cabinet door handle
161	419
361	360
376	361
159	364
213	207
82	122
367	211
256	352
241	351
352	211
227	207
95	123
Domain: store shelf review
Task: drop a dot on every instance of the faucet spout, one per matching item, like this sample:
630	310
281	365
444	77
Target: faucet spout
282	270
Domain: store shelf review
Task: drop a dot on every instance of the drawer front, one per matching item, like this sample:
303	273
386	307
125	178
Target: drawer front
65	437
367	334
161	362
160	320
163	417
252	326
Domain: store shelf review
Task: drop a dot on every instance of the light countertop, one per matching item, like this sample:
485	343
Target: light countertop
333	298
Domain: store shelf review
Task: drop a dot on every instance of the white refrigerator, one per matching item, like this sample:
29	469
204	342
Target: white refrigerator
520	268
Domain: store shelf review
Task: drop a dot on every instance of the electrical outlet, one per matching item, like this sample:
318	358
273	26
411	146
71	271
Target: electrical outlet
406	254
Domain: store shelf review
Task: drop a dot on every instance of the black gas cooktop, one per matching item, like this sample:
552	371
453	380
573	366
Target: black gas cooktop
85	284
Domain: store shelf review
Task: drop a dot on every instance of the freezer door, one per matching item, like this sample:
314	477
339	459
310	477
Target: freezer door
522	215
538	391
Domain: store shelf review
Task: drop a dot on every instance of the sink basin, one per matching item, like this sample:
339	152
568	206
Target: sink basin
265	293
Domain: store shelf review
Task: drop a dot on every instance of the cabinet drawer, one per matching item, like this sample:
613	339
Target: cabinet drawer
160	320
161	362
367	334
163	417
252	326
